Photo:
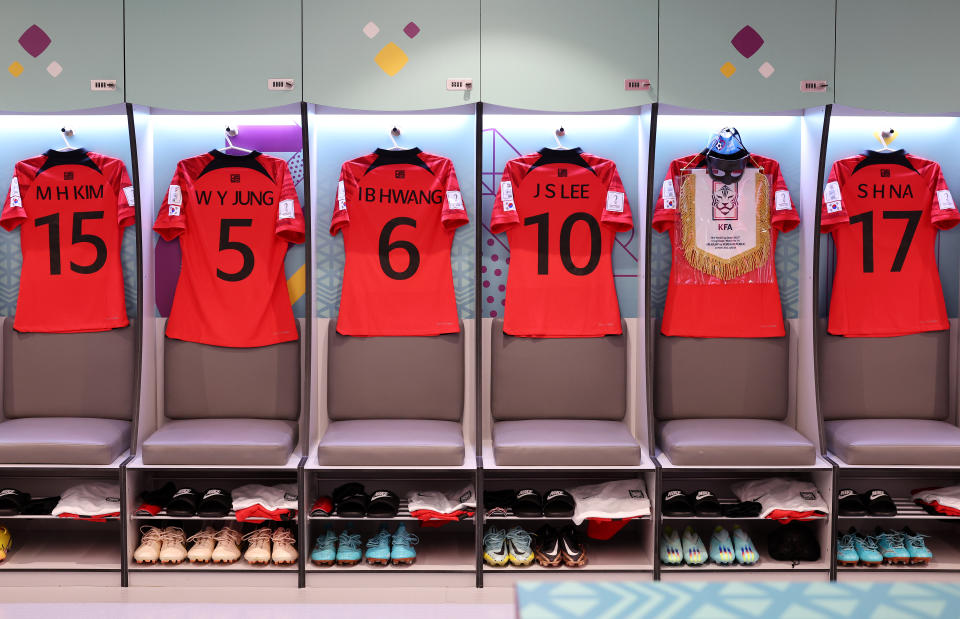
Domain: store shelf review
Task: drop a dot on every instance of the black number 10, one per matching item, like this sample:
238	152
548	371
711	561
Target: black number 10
542	221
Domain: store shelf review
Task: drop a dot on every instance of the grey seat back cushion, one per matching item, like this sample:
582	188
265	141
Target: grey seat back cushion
717	378
394	377
905	377
202	381
69	374
558	378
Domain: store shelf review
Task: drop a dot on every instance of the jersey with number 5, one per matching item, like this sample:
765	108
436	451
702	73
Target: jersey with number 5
235	216
72	208
398	211
884	210
561	210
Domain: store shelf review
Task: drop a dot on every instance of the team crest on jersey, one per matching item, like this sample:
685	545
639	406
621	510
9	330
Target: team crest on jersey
68	176
234	178
725	201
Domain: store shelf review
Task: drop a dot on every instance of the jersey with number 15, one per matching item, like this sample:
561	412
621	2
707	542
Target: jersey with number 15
398	211
235	216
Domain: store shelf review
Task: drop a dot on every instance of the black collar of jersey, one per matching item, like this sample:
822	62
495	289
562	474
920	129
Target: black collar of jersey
79	156
573	156
874	157
222	160
407	156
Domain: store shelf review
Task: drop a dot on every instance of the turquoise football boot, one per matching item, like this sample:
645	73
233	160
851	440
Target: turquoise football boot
325	551
403	543
378	547
919	553
743	548
495	551
348	552
866	548
671	549
519	542
694	552
846	552
890	544
721	547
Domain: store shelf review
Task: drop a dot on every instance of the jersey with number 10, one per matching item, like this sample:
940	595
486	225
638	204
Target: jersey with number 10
73	207
235	216
561	210
398	211
884	210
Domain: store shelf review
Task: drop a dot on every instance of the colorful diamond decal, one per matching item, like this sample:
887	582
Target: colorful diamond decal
391	58
34	40
728	69
747	41
54	68
766	70
411	30
15	68
371	30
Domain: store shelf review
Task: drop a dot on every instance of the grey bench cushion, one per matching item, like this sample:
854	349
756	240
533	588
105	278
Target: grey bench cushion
733	442
394	377
63	440
202	381
392	442
885	377
564	442
717	378
558	378
894	441
222	441
68	374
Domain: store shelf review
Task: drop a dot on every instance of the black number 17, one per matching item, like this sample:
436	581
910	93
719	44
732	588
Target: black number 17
866	218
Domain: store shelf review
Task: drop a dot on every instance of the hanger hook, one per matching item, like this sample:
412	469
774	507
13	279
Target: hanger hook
394	134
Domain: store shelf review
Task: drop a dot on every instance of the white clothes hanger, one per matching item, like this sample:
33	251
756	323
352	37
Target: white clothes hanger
66	132
559	133
885	136
394	134
229	133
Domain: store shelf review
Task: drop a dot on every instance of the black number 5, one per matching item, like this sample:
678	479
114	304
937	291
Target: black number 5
244	249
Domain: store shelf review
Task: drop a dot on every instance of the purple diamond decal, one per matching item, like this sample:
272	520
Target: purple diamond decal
411	30
747	41
34	40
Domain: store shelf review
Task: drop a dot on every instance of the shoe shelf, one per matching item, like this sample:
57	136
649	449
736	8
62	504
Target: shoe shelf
440	550
52	517
230	517
906	510
723	502
766	562
237	566
403	513
95	547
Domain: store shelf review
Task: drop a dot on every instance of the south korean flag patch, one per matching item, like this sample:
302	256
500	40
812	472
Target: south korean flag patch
174	200
506	196
669	195
341	197
15	200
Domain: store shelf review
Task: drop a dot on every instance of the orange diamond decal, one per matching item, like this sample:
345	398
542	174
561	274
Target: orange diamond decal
728	69
15	69
391	58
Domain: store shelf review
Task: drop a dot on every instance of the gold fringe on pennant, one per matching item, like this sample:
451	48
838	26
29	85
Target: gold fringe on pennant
725	268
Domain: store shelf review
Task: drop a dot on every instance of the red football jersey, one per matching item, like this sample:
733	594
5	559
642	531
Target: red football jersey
235	216
884	210
397	211
561	210
723	279
74	206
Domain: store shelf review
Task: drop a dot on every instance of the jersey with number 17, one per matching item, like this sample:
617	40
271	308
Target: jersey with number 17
398	211
235	216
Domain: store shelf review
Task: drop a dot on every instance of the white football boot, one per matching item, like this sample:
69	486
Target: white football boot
149	549
173	550
284	547
258	546
203	543
228	545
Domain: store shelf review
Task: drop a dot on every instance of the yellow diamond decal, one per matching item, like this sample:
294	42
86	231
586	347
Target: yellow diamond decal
15	69
391	58
728	69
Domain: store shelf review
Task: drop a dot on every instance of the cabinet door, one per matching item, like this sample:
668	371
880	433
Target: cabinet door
745	56
50	52
898	56
212	55
568	54
388	55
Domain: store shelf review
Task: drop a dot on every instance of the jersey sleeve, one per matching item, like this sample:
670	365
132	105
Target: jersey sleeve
290	223
665	210
504	215
784	217
943	211
347	187
172	218
454	212
833	212
13	212
616	210
123	188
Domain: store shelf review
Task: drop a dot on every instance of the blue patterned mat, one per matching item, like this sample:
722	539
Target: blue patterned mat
785	600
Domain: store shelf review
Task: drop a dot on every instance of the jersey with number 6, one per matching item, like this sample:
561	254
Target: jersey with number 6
561	210
235	216
884	210
398	211
71	208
